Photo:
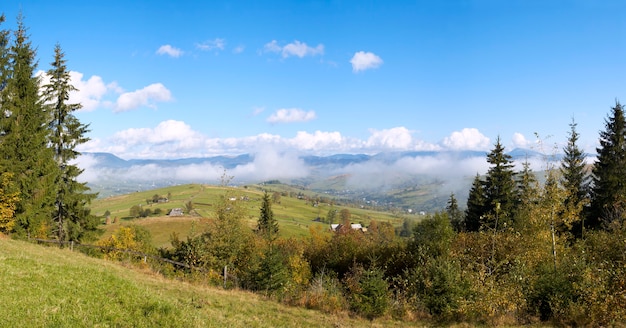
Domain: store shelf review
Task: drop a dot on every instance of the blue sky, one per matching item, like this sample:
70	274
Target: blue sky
166	79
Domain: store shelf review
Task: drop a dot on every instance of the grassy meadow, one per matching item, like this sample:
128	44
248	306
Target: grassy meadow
295	216
51	287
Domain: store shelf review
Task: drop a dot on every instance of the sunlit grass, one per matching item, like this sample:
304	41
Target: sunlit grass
47	287
294	216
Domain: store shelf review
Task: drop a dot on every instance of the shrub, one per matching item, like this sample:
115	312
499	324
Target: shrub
367	292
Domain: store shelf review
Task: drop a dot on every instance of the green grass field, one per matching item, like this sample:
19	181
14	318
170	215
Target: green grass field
295	216
50	287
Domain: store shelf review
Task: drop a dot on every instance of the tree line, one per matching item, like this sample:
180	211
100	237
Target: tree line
40	195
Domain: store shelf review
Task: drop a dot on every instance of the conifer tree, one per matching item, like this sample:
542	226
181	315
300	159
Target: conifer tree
4	57
267	225
528	196
574	178
608	195
475	205
494	199
73	220
24	148
455	215
500	191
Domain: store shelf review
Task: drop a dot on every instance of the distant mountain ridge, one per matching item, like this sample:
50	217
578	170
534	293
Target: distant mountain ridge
108	160
421	180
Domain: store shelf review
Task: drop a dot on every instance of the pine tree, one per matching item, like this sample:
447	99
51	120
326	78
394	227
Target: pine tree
267	226
24	148
574	179
73	220
528	196
608	195
500	193
475	205
455	215
4	57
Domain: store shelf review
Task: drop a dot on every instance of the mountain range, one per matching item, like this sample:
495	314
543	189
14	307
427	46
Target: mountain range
415	180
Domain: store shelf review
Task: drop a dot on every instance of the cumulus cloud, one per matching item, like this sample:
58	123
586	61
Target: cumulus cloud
394	138
290	115
215	44
362	61
519	141
466	139
318	140
169	50
147	96
296	48
166	139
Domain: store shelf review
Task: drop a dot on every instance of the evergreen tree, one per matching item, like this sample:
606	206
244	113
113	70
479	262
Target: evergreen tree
267	225
528	196
4	57
24	148
608	195
500	191
73	220
455	215
574	179
475	205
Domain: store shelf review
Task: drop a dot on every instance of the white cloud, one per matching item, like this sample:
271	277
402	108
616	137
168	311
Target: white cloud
394	138
170	51
466	139
519	141
362	61
296	48
147	96
290	115
168	134
318	141
216	44
271	164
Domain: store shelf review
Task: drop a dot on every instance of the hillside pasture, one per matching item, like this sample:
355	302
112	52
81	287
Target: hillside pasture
295	216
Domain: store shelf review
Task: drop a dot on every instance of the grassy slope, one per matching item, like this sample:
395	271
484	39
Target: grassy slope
49	287
294	215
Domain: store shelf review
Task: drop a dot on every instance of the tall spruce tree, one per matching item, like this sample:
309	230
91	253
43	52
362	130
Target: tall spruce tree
72	218
4	57
528	196
491	202
608	194
574	177
475	205
267	225
24	148
500	191
454	213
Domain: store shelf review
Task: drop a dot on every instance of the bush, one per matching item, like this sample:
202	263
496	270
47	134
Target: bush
439	287
367	292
